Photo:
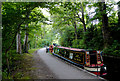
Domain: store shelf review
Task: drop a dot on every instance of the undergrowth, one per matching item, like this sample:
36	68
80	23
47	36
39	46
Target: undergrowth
20	65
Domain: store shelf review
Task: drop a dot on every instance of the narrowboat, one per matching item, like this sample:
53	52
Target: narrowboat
90	60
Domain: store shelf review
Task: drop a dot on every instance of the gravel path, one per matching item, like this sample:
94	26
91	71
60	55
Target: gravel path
40	69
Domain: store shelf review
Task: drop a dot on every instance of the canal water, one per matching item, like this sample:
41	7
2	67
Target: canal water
113	67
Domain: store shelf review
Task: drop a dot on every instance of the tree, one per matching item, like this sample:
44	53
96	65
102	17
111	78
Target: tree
118	13
105	28
82	19
101	14
18	43
14	15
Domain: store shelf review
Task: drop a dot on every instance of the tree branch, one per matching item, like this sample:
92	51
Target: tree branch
18	29
80	18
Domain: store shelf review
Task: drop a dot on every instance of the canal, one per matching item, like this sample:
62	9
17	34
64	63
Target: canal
113	67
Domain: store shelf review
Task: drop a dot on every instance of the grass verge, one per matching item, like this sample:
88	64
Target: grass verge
20	65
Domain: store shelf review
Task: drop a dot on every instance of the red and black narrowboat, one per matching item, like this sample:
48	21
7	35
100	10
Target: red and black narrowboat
90	60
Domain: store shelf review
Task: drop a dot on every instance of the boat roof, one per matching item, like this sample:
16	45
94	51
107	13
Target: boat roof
73	49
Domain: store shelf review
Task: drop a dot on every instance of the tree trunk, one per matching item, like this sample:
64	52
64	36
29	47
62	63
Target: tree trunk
75	30
118	13
84	26
26	40
105	28
8	64
82	19
35	42
18	41
75	27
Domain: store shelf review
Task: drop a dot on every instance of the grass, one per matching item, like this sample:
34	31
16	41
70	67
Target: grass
33	50
21	65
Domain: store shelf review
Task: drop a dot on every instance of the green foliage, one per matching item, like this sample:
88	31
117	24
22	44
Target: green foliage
5	75
67	37
13	63
79	43
32	50
94	39
113	49
20	14
16	62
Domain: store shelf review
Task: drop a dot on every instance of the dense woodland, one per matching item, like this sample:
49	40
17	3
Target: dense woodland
87	25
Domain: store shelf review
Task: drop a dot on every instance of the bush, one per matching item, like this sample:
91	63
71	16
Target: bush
113	49
78	44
